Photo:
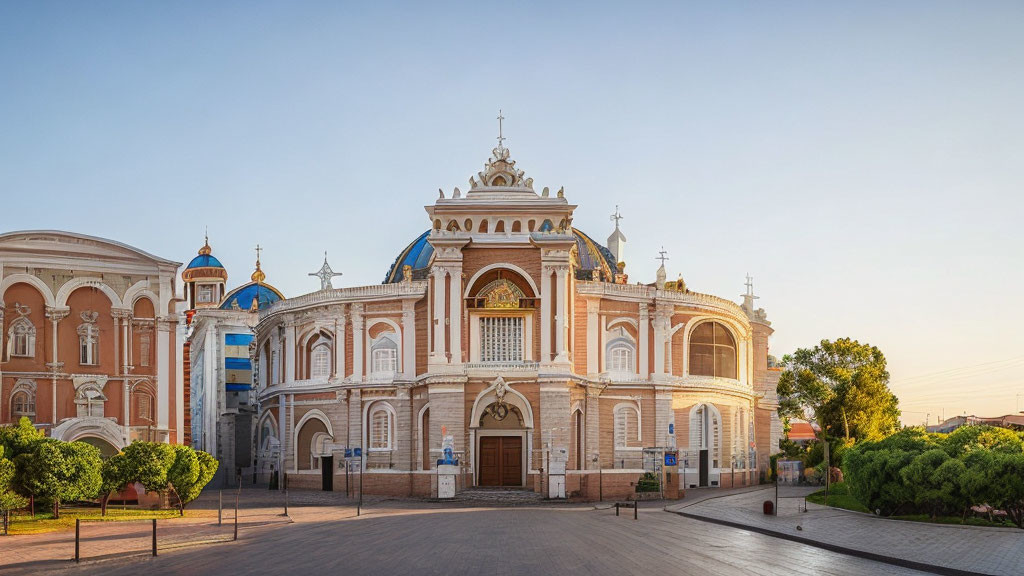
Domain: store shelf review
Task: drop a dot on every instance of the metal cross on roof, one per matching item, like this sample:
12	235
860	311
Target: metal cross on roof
616	217
661	256
501	137
258	250
750	285
325	274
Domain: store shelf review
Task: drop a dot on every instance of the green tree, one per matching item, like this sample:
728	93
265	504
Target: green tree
9	499
971	438
19	438
144	462
60	471
845	384
1008	485
189	474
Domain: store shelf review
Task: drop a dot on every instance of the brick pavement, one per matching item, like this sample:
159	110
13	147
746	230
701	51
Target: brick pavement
971	549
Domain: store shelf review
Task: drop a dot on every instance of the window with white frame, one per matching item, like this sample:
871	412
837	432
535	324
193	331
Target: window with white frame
705	426
501	339
620	352
23	400
712	351
22	338
384	355
380	428
320	361
627	427
205	294
88	344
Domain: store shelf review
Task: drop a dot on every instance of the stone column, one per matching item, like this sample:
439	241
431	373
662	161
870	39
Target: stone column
455	308
438	356
289	351
545	315
355	420
561	352
409	339
592	431
593	330
127	409
163	374
554	415
448	408
339	346
357	342
55	315
659	343
663	415
643	327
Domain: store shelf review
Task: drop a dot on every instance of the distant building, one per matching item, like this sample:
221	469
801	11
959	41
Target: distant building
1011	421
802	432
221	404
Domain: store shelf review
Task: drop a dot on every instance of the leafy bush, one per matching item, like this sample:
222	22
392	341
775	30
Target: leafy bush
648	483
915	472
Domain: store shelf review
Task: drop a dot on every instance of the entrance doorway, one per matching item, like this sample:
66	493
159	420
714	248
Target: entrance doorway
703	468
501	461
327	471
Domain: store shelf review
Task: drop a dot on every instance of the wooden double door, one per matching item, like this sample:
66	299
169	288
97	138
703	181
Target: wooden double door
501	461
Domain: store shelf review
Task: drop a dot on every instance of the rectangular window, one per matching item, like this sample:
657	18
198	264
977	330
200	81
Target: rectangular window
145	409
385	361
501	339
205	295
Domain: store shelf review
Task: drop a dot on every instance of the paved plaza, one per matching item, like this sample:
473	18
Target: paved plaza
967	548
394	537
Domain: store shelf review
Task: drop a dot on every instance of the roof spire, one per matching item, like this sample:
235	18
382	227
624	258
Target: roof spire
258	276
325	274
501	136
206	243
616	217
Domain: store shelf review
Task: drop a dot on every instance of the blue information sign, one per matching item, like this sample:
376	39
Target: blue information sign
670	459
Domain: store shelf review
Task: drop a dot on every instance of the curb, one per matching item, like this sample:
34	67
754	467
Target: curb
891	560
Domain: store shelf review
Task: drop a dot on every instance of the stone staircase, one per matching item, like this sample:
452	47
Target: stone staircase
498	497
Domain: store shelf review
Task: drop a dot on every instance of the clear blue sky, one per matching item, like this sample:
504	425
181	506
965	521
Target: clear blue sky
861	160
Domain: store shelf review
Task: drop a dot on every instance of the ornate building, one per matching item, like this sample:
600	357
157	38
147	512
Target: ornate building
519	335
221	407
90	339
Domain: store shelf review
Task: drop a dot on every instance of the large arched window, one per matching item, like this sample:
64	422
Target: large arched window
384	355
620	352
320	360
705	431
627	427
381	427
23	400
712	351
22	338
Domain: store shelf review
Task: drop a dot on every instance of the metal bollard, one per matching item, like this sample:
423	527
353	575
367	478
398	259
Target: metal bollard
616	508
220	506
285	502
634	510
154	536
78	528
236	518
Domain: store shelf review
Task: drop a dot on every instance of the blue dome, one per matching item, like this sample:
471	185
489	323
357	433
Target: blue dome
204	261
243	296
417	254
594	257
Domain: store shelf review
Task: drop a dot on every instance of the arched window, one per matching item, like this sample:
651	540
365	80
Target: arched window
89	400
384	355
627	427
381	425
712	351
705	431
320	361
22	338
23	400
88	340
144	406
620	352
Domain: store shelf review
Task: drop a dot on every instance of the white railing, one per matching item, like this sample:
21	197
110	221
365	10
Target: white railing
590	288
397	290
503	366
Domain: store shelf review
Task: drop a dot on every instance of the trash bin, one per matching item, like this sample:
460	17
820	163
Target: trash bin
769	507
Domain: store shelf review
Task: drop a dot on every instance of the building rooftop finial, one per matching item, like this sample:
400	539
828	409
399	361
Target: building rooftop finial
616	217
325	274
258	275
501	135
206	243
